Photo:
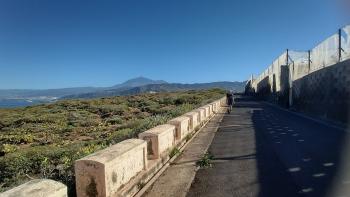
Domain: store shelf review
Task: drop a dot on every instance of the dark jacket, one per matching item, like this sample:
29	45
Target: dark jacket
229	98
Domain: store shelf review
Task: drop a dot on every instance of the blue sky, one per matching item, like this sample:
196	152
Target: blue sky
54	44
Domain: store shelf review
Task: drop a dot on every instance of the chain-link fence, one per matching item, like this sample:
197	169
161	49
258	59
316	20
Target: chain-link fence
334	49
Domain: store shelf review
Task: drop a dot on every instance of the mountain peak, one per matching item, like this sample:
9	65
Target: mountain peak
139	81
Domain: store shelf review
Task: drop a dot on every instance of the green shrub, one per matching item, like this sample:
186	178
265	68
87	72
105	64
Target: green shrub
114	120
188	137
119	135
17	139
2	125
7	148
51	137
181	109
205	161
89	122
173	152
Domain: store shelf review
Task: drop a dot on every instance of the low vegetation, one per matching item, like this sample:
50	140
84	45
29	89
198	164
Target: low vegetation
205	161
175	151
44	141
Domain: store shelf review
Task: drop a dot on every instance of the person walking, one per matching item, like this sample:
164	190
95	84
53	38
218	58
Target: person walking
229	100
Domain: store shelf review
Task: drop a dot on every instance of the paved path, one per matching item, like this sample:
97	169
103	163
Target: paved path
263	151
177	178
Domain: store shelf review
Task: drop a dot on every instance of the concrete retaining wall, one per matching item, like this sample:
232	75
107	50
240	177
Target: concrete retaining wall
215	106
222	101
218	104
38	187
105	172
159	140
193	116
201	114
324	93
210	109
182	127
206	111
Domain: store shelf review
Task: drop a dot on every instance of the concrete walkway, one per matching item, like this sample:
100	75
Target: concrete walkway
177	178
262	151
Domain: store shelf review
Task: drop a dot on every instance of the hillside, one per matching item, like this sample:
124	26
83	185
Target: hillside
57	93
163	87
29	93
43	141
12	98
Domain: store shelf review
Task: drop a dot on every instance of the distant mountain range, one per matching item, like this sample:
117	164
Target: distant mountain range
58	93
26	97
163	87
136	82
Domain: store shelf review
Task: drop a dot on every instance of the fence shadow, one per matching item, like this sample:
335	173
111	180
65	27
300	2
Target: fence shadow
263	151
298	157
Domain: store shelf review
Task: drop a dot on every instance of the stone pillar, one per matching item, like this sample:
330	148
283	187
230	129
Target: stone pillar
104	173
38	187
160	140
193	119
217	103
182	127
210	109
215	108
201	115
207	111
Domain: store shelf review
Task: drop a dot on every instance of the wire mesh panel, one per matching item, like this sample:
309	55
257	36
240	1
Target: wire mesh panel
270	70
298	56
345	42
326	53
300	70
299	63
282	59
275	66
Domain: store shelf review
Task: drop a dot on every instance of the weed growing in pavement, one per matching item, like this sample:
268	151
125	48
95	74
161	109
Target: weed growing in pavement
205	161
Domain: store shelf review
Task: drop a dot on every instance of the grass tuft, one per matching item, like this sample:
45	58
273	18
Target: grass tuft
205	161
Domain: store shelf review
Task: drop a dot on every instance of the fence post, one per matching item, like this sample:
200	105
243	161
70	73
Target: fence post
309	62
339	44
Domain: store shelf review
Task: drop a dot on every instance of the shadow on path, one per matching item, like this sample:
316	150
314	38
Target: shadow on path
263	151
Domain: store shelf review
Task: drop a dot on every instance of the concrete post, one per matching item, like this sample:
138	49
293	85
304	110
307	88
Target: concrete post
182	127
38	187
103	174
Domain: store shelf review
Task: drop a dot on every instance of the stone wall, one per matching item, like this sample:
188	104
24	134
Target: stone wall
159	140
201	114
104	172
38	187
324	93
182	127
264	88
193	116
